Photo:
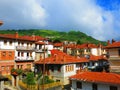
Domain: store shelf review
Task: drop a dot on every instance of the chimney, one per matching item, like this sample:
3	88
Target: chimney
113	40
33	37
108	42
16	35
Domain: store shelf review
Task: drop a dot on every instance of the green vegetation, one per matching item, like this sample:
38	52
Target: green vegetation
17	71
56	35
30	80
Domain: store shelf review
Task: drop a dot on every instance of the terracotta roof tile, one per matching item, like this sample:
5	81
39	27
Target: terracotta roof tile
40	43
113	45
58	44
82	46
100	77
58	57
29	38
96	58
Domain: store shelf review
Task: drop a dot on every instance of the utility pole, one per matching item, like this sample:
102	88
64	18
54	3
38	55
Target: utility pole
44	69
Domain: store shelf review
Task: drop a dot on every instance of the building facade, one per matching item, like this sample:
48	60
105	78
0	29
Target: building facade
95	81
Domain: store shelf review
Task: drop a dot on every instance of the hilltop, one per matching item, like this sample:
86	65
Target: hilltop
77	36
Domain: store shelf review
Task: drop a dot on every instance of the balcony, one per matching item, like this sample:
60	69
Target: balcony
114	58
25	48
24	59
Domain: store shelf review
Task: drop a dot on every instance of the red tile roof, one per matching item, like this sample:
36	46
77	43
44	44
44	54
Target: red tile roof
113	45
97	77
40	43
58	44
58	57
70	46
96	58
82	46
15	36
87	46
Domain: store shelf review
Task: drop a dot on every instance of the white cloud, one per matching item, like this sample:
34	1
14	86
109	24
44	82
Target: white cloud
82	15
22	13
63	15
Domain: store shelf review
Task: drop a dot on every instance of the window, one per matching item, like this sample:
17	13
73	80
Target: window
18	54
94	86
10	42
79	85
66	68
5	42
27	54
28	66
119	52
30	54
18	43
10	53
2	67
113	88
4	53
22	54
22	43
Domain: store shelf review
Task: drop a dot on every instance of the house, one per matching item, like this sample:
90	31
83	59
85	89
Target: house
7	53
41	49
58	46
60	66
97	63
88	48
85	49
17	51
95	81
113	53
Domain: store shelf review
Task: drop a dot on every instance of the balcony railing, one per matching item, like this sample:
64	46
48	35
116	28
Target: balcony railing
24	59
25	48
114	58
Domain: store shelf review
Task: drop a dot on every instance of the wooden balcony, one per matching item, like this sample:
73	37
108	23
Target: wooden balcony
22	59
114	58
25	48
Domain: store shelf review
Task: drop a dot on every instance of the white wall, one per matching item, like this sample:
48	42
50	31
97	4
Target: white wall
94	51
7	46
88	86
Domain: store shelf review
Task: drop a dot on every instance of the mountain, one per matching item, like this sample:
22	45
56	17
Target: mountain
77	36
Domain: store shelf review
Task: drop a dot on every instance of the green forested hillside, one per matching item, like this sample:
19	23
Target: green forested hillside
70	36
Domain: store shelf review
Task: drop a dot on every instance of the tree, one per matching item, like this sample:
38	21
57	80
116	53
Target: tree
79	42
30	80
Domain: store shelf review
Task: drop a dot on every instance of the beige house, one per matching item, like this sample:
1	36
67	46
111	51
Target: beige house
113	51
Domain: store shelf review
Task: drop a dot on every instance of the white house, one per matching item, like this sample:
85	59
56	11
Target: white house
60	66
95	81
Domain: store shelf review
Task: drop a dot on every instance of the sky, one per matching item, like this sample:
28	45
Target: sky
97	18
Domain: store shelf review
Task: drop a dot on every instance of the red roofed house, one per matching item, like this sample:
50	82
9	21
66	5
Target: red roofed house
60	65
85	49
58	46
40	48
17	51
97	63
113	50
95	81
